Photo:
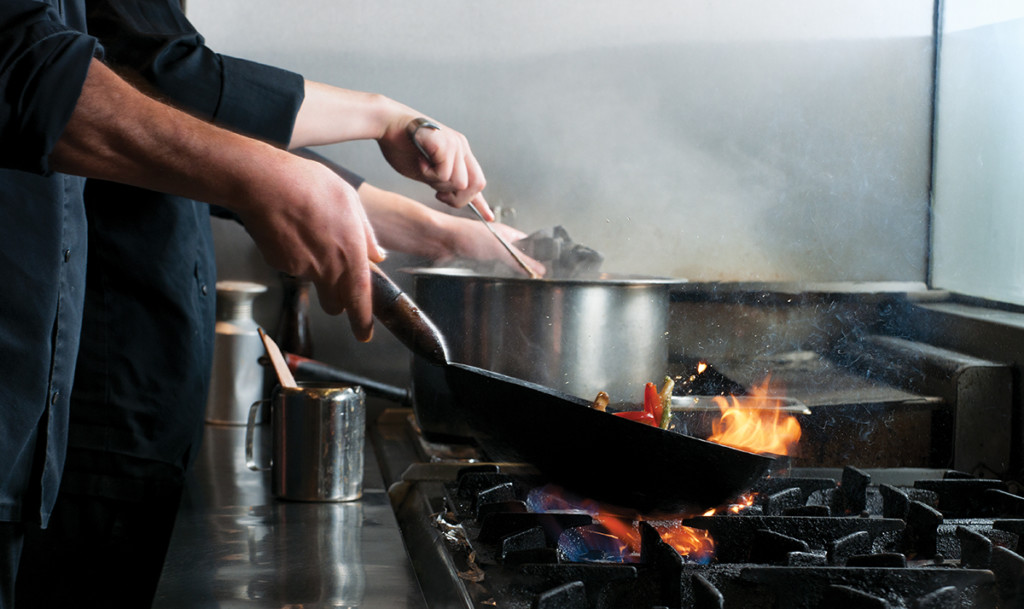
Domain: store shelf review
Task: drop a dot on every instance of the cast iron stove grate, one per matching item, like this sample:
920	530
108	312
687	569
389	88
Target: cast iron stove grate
804	543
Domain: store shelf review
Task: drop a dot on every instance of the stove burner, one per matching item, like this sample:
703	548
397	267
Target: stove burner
805	542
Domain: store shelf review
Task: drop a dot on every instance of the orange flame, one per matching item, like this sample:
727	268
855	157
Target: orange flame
625	532
622	529
761	428
696	544
744	502
688	541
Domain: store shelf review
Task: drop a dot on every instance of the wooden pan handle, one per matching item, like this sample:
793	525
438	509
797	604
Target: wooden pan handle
403	318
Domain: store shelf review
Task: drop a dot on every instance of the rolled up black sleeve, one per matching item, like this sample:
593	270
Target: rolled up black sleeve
43	65
153	39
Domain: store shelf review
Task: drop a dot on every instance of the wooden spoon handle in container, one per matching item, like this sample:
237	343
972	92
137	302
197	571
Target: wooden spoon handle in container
403	318
284	375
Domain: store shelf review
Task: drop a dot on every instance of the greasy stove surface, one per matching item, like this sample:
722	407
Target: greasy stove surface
235	545
896	539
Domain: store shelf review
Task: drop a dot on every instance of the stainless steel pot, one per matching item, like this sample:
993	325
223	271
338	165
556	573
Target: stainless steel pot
578	336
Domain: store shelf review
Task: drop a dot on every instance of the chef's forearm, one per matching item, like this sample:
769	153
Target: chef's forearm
117	133
331	114
405	225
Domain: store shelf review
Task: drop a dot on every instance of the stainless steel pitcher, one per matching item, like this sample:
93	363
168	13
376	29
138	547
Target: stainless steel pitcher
318	433
236	378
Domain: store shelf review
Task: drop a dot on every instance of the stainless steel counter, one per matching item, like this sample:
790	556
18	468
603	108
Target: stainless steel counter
234	544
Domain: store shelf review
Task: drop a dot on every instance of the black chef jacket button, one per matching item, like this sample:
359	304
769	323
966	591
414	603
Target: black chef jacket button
67	255
54	397
204	289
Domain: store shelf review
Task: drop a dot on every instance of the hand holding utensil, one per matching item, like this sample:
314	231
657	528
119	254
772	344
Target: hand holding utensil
422	123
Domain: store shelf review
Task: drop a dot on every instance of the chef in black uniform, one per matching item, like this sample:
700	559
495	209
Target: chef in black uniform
144	362
62	110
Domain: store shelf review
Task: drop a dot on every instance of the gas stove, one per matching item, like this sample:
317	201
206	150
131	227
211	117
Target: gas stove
486	534
901	493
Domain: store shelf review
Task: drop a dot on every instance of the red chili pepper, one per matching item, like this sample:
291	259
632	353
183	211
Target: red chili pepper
652	401
640	416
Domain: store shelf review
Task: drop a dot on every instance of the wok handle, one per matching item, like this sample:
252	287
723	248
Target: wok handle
319	371
405	320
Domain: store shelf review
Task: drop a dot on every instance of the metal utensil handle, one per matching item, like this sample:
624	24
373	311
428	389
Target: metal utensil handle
250	460
508	246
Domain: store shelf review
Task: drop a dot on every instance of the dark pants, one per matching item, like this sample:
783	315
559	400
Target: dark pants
97	552
12	534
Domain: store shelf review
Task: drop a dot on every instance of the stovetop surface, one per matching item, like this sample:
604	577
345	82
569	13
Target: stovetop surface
876	537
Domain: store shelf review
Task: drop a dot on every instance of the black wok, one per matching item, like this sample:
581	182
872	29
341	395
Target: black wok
597	454
587	451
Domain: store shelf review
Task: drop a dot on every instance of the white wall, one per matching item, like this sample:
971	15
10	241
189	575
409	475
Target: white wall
979	169
730	140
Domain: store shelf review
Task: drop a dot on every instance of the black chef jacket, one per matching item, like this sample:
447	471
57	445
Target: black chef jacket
147	342
44	59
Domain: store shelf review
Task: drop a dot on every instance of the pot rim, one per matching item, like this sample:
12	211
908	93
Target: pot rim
601	279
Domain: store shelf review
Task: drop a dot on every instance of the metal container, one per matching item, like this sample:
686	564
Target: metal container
236	379
578	336
319	432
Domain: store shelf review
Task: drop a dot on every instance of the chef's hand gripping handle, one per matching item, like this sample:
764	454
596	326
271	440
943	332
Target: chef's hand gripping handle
250	429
